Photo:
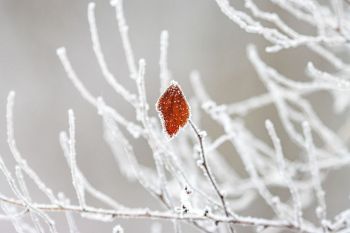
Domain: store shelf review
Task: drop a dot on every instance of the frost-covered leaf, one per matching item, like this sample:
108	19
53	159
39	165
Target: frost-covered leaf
173	109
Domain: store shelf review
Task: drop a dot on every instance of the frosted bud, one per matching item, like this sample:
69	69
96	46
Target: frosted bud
276	200
260	229
118	229
188	190
200	163
203	134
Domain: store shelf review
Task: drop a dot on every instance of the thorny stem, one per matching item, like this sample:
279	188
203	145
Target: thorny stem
208	173
155	215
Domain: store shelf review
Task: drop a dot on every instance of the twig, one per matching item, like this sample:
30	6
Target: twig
208	173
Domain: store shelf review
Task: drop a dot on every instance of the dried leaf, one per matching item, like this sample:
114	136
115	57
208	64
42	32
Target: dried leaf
173	109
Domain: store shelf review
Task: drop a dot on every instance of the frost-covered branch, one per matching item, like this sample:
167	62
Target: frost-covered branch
192	180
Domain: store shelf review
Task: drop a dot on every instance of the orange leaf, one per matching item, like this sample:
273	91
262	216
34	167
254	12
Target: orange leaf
173	109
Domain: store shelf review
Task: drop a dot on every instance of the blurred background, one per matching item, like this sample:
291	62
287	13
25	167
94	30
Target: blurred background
201	38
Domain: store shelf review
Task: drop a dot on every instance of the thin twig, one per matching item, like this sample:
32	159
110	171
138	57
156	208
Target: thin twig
208	173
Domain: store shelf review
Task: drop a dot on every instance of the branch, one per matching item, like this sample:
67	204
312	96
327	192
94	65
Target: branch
109	214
